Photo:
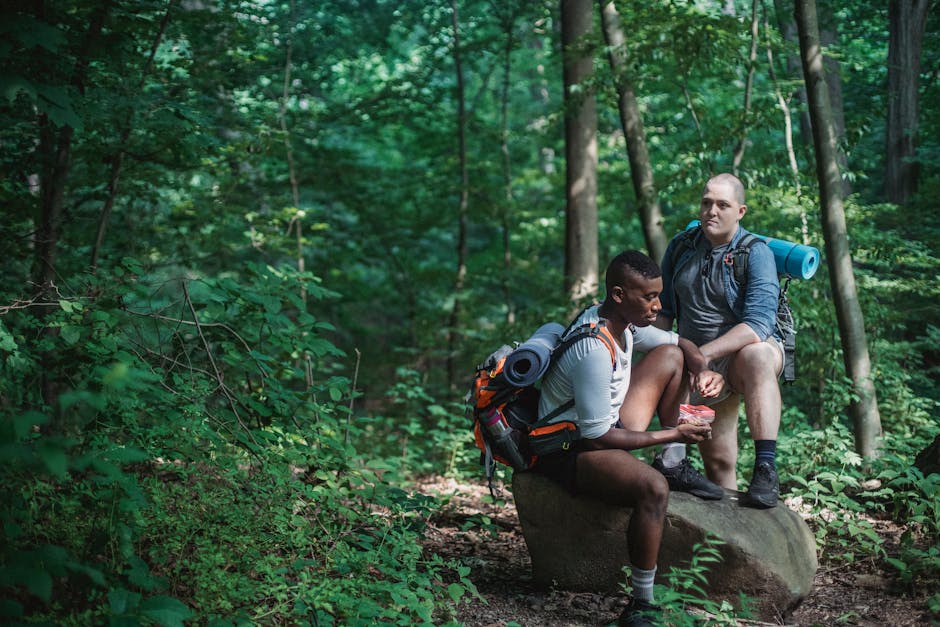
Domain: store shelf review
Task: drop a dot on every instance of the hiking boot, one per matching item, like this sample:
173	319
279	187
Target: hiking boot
638	613
764	488
685	478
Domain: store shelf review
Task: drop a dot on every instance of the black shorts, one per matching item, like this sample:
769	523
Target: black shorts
560	467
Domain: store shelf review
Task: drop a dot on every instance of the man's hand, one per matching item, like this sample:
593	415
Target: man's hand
707	383
694	432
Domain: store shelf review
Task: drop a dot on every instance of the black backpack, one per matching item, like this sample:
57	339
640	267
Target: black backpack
786	325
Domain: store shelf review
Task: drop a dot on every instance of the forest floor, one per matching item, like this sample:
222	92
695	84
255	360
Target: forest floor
487	537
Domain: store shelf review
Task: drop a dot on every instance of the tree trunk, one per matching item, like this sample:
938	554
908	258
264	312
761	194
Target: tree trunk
297	221
641	169
508	22
581	275
829	37
748	90
864	411
117	164
452	327
906	21
784	104
55	149
788	29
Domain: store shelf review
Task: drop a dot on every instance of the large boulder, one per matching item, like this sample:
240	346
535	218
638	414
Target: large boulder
580	543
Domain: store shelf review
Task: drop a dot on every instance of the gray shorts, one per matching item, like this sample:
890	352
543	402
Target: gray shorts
720	366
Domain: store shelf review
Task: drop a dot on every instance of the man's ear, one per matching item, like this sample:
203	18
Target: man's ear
616	294
741	211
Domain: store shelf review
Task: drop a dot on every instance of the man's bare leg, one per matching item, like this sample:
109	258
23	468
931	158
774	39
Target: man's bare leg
753	371
720	453
619	478
655	386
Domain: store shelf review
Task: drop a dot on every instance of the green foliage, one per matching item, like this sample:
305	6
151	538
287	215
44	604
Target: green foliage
190	469
185	434
683	598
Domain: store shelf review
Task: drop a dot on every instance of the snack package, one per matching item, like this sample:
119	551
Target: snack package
696	413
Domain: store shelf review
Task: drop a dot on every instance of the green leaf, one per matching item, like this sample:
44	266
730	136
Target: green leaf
38	582
123	601
336	394
71	334
55	102
92	573
54	458
455	590
166	610
7	343
900	565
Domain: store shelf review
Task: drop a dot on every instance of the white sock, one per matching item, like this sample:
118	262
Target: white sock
642	583
673	454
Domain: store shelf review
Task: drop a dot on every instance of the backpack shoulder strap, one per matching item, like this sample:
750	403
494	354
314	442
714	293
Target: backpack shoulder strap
684	241
597	330
740	255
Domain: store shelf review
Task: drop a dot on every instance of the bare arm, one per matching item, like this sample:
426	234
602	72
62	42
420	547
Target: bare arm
734	340
628	440
707	382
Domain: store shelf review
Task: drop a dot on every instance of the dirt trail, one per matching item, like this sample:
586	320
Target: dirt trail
487	538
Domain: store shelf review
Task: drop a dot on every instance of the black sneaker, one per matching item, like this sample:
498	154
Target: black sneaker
764	488
638	614
685	478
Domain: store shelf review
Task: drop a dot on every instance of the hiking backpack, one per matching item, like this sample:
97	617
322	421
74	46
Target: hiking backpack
504	414
738	257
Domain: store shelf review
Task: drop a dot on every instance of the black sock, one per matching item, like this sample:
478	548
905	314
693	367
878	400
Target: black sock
766	451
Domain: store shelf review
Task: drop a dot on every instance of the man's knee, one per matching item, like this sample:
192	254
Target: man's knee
670	352
719	463
754	363
653	493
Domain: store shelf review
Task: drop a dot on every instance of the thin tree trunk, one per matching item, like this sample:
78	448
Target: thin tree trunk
641	168
703	145
298	218
794	70
581	274
55	146
829	38
117	165
55	149
907	19
783	103
748	90
508	24
452	327
864	411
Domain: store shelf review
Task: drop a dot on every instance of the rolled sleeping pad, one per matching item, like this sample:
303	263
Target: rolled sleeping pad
527	364
794	260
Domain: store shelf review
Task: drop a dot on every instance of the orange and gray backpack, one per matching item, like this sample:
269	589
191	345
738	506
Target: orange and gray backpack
503	400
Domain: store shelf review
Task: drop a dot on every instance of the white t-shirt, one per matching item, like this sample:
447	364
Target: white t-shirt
586	373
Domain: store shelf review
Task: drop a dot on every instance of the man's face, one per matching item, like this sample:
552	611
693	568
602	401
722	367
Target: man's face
720	213
638	299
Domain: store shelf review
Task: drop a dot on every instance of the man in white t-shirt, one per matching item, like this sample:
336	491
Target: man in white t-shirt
606	390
